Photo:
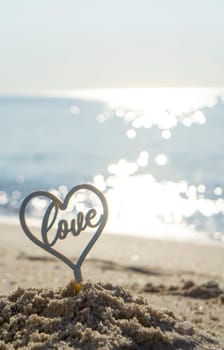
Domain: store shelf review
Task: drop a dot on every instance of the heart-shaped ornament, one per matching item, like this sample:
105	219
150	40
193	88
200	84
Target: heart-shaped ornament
81	222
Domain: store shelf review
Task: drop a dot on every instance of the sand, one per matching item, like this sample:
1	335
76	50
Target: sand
100	316
185	279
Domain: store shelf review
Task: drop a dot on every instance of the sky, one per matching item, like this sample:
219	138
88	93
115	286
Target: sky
71	44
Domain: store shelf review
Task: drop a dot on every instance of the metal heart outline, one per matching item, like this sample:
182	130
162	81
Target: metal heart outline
76	267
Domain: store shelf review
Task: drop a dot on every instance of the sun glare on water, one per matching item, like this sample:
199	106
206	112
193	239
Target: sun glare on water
139	202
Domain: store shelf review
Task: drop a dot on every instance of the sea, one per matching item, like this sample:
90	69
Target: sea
156	154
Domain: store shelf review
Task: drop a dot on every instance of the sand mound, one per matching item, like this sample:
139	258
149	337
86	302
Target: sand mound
99	317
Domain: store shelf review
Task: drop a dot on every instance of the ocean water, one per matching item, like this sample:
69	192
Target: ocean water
157	154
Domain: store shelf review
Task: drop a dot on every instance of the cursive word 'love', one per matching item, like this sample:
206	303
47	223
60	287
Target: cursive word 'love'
75	227
53	228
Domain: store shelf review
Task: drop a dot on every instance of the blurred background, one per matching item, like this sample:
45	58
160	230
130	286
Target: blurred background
126	95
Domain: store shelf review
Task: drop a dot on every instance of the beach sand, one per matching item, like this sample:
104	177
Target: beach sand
185	278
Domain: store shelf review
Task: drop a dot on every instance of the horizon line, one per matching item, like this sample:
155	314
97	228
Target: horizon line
74	92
